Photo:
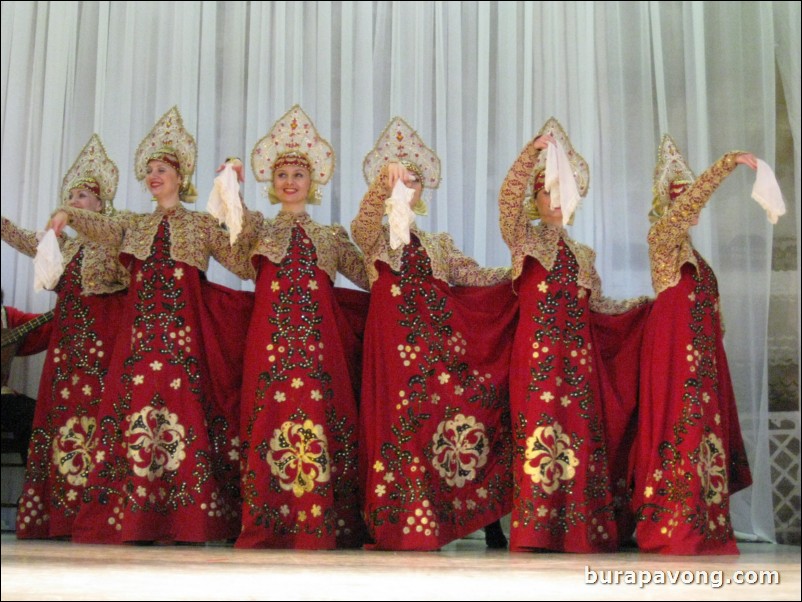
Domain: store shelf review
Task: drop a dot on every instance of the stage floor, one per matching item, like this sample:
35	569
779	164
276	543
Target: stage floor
464	570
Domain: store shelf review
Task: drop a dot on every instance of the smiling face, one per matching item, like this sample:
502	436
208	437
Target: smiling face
163	181
291	184
84	199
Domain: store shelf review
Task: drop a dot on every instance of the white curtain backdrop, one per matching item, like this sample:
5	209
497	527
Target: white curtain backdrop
788	38
477	79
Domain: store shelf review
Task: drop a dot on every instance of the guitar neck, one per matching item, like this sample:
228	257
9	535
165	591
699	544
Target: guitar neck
12	335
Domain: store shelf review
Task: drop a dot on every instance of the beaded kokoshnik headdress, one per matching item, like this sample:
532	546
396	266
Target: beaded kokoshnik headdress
399	143
170	142
579	167
672	176
294	140
94	171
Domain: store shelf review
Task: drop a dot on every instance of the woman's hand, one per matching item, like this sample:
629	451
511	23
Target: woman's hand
58	222
541	142
236	163
395	172
747	159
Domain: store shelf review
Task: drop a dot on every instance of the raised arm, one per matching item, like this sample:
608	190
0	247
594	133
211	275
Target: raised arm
672	227
367	225
21	239
513	220
102	229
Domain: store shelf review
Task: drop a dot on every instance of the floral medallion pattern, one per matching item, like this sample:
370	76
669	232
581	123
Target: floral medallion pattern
72	449
299	456
155	442
460	447
549	457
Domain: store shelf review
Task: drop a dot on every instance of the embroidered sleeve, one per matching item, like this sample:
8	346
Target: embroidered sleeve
101	271
512	213
367	225
465	271
667	236
253	228
21	239
251	223
102	229
236	258
350	261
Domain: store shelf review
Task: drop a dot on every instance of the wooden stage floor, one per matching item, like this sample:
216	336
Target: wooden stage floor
464	570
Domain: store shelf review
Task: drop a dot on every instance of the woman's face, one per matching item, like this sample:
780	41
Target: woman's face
291	184
84	199
162	180
547	214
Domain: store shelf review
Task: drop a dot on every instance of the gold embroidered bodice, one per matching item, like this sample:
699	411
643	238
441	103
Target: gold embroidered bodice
670	244
194	236
101	272
335	251
448	263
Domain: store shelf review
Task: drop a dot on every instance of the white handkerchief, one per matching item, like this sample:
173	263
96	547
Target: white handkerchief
766	192
400	214
48	265
559	182
224	202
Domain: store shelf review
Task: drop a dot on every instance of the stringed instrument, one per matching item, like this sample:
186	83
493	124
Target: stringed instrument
12	339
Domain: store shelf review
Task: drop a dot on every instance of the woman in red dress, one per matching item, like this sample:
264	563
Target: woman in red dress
689	456
564	480
434	422
166	463
299	412
74	377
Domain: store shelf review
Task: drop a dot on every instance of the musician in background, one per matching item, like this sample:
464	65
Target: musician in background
17	408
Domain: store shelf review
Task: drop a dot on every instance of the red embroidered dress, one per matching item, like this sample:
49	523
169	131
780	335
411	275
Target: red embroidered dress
167	458
564	485
63	441
299	414
434	420
689	456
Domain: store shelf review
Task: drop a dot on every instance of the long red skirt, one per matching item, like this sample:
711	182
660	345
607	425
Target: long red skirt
689	456
64	440
166	464
434	416
563	481
299	414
